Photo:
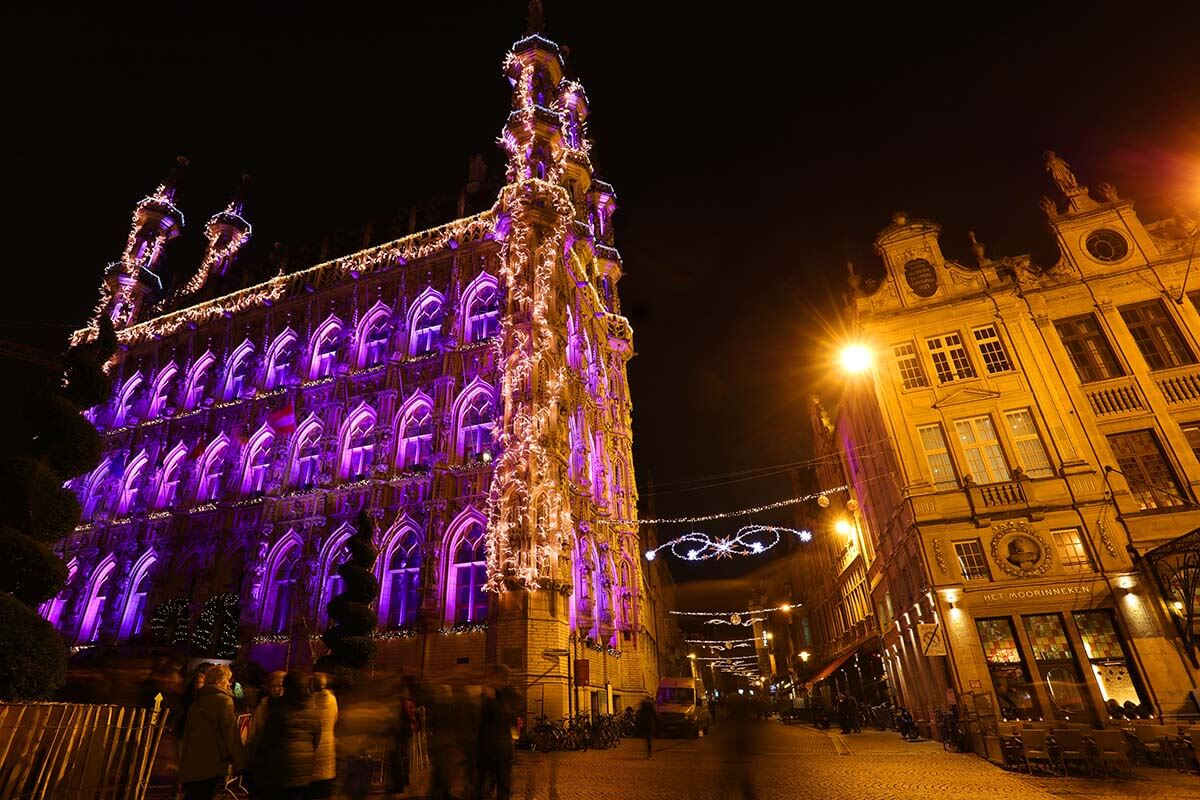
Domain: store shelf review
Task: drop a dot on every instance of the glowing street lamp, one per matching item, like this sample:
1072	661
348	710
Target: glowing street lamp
843	527
804	656
856	358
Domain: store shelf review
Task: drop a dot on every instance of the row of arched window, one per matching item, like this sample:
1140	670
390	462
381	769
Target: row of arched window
225	467
604	589
288	360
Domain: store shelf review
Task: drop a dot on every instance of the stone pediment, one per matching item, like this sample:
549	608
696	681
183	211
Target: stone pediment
965	395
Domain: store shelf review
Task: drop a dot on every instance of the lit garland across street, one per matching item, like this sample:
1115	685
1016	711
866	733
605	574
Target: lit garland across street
726	514
696	546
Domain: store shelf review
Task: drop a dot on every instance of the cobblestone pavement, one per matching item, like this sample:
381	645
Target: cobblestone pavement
800	762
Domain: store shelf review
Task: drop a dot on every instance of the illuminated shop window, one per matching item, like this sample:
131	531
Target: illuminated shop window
1106	654
1055	662
1010	679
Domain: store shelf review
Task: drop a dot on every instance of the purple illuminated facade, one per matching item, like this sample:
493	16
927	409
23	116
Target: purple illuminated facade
466	384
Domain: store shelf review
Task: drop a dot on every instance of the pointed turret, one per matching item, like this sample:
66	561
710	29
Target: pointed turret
227	232
137	274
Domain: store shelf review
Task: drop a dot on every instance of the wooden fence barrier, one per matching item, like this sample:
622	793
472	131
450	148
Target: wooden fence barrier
75	751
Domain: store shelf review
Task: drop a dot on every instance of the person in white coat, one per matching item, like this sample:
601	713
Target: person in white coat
325	759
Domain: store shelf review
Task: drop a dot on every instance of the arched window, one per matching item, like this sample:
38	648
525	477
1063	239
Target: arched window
97	488
212	470
237	376
540	86
357	443
166	387
325	349
52	609
468	574
172	470
258	461
481	317
281	589
131	483
576	438
400	598
281	360
128	396
618	491
373	335
425	330
306	460
200	380
474	424
336	554
133	616
415	439
95	600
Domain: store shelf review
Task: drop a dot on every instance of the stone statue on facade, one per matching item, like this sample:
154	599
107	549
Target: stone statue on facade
1060	172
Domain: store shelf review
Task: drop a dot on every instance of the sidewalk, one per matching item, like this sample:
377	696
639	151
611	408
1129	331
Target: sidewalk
1148	782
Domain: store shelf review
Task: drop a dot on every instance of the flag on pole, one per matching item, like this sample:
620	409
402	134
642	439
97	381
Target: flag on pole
283	420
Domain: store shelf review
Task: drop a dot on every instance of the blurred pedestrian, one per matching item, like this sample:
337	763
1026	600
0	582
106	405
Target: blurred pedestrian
844	712
211	744
439	727
499	716
286	748
647	723
325	762
404	728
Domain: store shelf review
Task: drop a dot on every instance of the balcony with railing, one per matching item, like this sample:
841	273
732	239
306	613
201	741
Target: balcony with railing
1115	397
1179	386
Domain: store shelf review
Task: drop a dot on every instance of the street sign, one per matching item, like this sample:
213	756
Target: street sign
930	636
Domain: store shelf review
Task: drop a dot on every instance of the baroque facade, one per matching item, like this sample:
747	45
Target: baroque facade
465	384
1021	452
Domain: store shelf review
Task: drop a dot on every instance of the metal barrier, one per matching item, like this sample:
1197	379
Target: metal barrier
73	751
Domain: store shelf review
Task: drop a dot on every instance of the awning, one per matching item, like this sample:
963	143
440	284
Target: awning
832	667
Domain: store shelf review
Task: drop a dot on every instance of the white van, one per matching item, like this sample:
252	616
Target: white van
681	706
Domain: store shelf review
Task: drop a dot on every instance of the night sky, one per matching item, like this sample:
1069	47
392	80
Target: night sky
752	153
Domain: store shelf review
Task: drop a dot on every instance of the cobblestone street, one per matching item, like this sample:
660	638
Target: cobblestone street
800	762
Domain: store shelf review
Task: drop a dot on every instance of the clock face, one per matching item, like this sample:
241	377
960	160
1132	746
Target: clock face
1106	246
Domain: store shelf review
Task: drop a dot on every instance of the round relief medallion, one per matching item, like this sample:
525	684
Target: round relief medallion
1019	551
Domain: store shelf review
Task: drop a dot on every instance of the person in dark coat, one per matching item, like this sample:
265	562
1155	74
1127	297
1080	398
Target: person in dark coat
500	707
286	748
404	728
845	712
646	723
211	743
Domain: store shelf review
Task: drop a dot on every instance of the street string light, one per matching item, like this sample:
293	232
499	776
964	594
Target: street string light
745	618
697	546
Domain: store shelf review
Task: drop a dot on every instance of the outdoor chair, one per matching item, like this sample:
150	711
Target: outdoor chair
1112	747
1156	743
1010	745
1071	747
1035	748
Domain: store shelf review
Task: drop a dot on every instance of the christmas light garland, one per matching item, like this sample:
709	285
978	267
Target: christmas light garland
727	514
696	546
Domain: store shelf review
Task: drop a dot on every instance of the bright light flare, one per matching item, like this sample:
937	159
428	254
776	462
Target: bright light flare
856	358
843	527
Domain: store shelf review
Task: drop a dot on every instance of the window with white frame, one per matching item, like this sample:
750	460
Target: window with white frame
475	426
1031	453
950	360
981	447
1071	552
908	362
937	454
470	574
972	561
360	444
483	313
325	354
403	583
991	350
427	327
416	436
375	343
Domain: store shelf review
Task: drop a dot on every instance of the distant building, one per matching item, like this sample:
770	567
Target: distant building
1023	457
466	384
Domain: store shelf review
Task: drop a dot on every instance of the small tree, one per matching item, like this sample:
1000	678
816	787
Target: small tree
349	640
36	511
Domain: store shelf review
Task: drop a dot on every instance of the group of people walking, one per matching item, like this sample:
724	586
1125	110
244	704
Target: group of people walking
298	744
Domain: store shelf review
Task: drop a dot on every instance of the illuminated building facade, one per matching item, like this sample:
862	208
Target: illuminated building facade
1023	451
465	384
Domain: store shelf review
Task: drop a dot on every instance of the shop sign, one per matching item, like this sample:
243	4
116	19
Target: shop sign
930	636
1036	593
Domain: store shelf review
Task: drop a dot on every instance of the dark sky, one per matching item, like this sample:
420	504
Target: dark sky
752	152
